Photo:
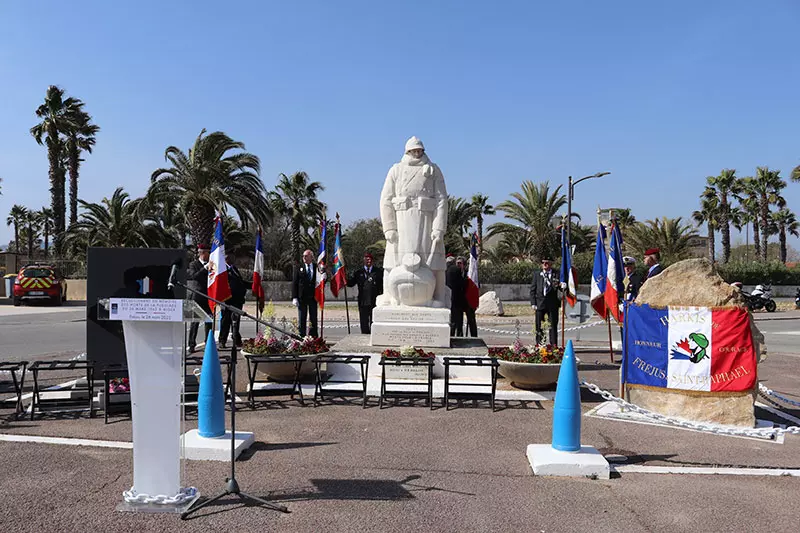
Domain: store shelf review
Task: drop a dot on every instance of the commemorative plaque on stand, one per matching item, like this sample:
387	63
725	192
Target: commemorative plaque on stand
154	344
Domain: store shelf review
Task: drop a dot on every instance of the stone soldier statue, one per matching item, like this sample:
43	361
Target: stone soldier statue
413	209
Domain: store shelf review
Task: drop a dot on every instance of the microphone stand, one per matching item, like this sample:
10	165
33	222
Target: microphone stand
231	485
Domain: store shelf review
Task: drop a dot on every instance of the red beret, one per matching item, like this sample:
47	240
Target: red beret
651	251
367	254
203	247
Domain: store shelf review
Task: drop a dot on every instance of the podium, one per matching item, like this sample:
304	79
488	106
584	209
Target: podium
154	346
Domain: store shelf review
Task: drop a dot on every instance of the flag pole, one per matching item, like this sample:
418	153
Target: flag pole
563	293
608	323
347	310
322	235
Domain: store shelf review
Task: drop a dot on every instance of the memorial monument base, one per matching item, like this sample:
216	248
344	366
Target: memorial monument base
588	462
422	327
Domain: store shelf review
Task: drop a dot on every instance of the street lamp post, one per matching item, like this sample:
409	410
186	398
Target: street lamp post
571	193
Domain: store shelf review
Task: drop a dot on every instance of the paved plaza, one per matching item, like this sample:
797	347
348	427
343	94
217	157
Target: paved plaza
405	467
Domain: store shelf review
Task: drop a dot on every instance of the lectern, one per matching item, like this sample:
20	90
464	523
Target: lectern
154	345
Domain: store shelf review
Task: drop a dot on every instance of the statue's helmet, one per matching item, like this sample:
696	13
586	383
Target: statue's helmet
414	144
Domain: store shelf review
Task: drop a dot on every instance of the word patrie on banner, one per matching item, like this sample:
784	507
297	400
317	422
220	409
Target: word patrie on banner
690	348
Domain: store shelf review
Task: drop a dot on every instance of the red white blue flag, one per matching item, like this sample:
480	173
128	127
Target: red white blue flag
690	348
218	286
615	273
258	270
473	285
319	289
567	274
339	279
599	274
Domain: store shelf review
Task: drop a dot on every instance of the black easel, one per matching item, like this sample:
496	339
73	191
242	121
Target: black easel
231	485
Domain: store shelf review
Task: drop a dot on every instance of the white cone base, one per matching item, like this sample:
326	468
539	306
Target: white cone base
199	448
588	462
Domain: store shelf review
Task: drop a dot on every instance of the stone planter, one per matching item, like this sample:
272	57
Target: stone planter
285	371
531	376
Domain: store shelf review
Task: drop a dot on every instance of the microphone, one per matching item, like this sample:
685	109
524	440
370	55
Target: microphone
172	274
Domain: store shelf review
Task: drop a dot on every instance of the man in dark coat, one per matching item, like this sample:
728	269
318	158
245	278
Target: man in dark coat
454	279
304	282
545	301
238	293
197	279
370	285
633	280
651	261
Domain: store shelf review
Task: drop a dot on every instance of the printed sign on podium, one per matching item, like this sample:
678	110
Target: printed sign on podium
154	342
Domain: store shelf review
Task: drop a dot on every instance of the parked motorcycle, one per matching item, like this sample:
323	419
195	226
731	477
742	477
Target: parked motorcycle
797	299
760	298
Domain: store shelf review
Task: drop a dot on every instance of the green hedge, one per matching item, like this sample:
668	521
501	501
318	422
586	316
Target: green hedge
749	273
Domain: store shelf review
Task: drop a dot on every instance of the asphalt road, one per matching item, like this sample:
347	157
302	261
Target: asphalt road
40	332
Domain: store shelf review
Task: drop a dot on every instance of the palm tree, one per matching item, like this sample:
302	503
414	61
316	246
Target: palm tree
482	208
670	235
534	208
115	222
45	220
625	218
32	226
55	121
80	138
725	185
295	198
513	247
796	173
17	216
749	209
710	214
209	179
459	222
767	186
786	222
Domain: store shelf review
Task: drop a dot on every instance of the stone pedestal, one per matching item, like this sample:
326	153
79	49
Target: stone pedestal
725	408
422	327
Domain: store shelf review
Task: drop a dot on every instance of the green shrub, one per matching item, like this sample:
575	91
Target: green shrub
522	273
753	273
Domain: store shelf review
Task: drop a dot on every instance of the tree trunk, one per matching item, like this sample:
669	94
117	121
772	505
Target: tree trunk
726	230
782	237
74	162
30	241
295	238
201	224
46	239
711	243
756	239
16	235
764	227
54	157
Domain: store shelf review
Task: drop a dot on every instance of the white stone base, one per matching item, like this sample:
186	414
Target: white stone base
199	448
420	335
588	462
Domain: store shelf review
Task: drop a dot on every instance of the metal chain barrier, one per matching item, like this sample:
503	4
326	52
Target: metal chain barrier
766	391
768	433
514	333
185	495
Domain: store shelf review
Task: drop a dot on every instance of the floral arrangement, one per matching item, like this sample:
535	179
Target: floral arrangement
408	351
118	385
520	353
269	345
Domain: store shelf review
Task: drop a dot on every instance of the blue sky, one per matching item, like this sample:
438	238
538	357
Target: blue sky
660	94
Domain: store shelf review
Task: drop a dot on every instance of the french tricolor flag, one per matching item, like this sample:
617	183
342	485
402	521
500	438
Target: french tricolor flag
319	289
690	348
218	286
473	285
615	274
599	274
258	270
567	275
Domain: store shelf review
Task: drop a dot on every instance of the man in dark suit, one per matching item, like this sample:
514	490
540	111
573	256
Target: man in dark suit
454	279
303	284
651	261
545	301
370	285
633	280
197	279
238	293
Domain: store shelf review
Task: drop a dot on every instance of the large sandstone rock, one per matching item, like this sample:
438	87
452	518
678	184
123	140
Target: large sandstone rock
694	283
490	304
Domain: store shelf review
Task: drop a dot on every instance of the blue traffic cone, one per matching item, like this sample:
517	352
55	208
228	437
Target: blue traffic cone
567	407
210	398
